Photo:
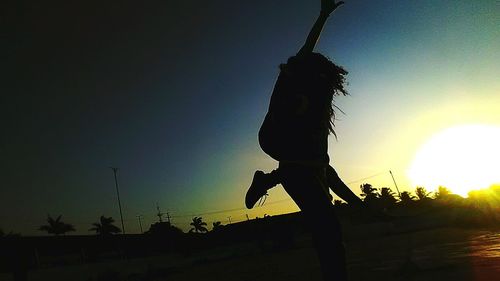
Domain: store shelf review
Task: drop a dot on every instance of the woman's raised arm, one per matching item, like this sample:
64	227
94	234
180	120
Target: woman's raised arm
327	7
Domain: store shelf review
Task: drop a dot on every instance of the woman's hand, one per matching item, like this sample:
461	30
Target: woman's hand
328	6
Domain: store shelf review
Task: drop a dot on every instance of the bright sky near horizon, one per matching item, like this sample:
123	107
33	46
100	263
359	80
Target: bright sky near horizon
173	93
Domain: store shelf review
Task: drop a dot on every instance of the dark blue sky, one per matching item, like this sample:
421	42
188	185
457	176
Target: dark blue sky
173	93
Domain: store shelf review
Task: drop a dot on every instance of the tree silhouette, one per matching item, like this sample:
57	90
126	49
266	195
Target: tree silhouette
369	195
10	234
105	226
198	225
442	193
56	226
486	199
216	225
422	193
386	197
406	197
164	229
368	192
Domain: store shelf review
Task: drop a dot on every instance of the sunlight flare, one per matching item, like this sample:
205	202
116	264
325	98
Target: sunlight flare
462	158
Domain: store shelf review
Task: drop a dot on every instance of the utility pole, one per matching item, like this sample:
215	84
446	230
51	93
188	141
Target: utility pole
140	223
115	170
160	214
395	184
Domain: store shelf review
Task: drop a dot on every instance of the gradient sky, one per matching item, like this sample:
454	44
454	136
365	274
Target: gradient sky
173	93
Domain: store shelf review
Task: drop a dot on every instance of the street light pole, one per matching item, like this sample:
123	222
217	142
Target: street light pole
115	170
395	184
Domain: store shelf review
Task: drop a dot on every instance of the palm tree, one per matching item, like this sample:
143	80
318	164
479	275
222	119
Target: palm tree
368	192
216	225
406	197
105	226
56	226
422	193
198	225
442	193
387	197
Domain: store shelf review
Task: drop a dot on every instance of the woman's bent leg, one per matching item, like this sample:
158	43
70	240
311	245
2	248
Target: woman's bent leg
306	186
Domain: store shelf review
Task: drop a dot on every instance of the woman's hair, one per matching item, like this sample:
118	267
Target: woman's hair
321	80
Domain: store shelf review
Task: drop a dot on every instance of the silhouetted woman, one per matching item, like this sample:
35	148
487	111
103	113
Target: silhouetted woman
295	132
269	135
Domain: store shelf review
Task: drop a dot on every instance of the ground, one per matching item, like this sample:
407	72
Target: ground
437	254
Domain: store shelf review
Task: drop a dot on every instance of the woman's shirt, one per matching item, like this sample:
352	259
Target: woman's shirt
293	130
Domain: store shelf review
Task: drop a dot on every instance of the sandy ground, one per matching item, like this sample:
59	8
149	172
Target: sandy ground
439	254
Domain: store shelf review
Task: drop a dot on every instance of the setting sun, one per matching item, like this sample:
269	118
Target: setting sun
462	158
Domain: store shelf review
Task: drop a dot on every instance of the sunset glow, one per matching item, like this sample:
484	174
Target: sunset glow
462	158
